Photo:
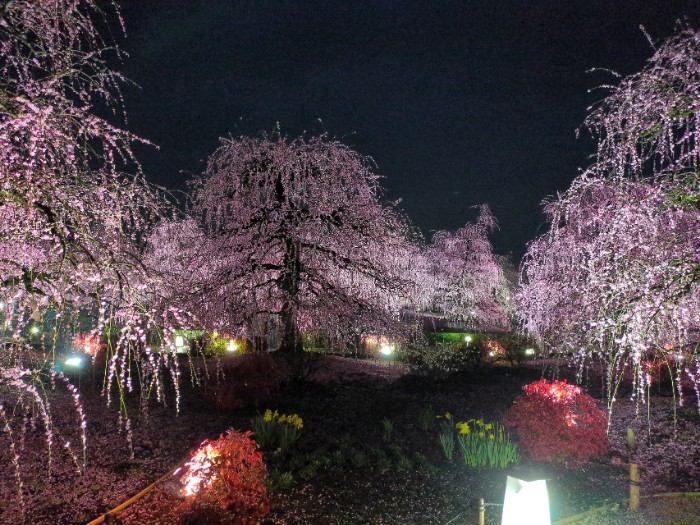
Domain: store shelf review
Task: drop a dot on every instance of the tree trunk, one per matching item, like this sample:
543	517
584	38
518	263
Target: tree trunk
291	337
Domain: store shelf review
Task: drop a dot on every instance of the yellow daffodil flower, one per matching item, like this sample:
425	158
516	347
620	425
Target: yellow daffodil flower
463	428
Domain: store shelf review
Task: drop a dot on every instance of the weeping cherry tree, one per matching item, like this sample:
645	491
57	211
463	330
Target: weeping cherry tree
71	223
297	236
617	276
462	276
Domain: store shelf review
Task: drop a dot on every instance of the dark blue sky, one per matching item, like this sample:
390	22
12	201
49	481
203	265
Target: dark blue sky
458	102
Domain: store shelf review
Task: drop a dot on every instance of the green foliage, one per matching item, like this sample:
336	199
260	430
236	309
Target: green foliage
423	465
486	444
453	338
426	418
316	341
388	427
403	464
274	430
379	459
446	435
516	348
358	459
338	458
280	480
442	359
310	470
684	189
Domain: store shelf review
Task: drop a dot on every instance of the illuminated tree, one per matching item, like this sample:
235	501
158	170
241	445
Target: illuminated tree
71	224
648	125
617	276
297	235
462	275
612	277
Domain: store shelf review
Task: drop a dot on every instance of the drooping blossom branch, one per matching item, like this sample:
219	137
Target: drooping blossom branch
617	276
462	275
648	125
72	224
613	279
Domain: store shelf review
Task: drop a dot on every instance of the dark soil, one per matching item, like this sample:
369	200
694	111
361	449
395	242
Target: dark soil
343	471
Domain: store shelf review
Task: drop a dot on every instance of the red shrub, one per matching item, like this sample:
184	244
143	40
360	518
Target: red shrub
228	474
249	381
557	422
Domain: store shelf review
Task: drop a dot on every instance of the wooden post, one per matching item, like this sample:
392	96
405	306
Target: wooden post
482	511
634	486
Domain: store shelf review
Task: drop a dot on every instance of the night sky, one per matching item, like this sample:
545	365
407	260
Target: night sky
458	102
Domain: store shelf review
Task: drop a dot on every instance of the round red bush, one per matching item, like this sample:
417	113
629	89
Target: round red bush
228	474
557	422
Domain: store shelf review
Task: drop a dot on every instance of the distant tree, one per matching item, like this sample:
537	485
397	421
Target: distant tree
463	276
296	233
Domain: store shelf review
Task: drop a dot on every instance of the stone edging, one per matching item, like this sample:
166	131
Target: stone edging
609	506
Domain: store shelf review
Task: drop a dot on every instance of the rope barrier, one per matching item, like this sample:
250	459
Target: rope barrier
108	516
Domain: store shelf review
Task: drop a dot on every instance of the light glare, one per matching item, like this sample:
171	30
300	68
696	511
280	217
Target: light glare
386	349
525	503
74	361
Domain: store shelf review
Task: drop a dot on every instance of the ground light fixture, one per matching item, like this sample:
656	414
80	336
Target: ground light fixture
386	349
467	338
526	503
529	351
35	329
74	361
179	344
232	346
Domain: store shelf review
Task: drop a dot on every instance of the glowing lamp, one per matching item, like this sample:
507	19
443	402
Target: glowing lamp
34	329
467	338
180	344
386	349
492	353
74	361
232	346
529	351
526	503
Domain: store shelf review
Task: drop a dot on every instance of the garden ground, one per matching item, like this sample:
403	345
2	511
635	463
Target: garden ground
343	470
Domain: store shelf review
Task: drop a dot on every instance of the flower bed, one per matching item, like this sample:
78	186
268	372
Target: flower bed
368	480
